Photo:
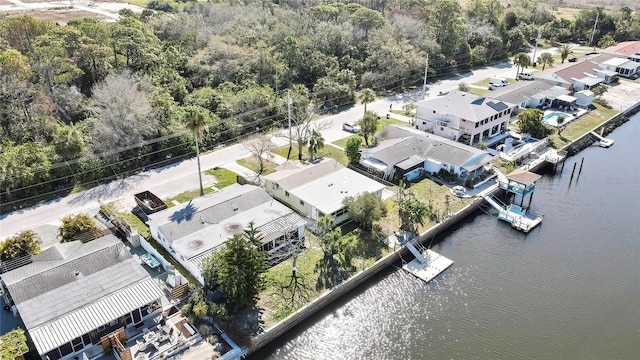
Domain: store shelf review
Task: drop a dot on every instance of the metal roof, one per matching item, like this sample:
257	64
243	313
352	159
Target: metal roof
590	81
523	176
303	173
327	192
83	320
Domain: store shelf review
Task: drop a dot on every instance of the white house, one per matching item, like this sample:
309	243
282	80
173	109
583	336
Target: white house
192	231
318	189
529	94
403	149
624	67
74	293
463	117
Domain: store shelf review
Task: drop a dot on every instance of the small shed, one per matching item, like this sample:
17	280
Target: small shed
584	98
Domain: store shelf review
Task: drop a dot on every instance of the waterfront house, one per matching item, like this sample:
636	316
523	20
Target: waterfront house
319	188
532	94
581	75
401	150
626	49
463	117
74	293
622	66
192	231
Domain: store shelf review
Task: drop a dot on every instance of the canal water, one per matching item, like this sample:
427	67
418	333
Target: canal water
570	289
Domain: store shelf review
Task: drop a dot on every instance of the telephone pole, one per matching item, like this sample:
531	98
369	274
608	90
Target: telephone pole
424	86
593	32
289	117
535	49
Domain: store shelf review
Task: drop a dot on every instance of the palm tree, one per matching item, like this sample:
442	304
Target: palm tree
366	96
545	59
565	50
316	142
521	60
196	120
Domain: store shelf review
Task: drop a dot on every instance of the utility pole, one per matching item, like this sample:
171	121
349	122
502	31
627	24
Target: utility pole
533	59
424	86
593	32
289	116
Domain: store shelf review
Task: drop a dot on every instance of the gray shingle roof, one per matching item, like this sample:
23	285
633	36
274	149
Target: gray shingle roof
520	91
408	142
463	105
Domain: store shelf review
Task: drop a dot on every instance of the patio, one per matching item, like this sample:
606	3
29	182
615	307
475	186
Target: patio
570	114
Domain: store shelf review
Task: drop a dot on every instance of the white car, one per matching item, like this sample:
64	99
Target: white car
350	126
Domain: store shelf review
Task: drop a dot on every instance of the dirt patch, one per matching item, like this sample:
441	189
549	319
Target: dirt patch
4	2
62	16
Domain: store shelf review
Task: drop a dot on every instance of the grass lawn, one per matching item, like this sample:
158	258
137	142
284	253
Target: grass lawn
343	142
314	273
253	163
327	151
223	177
186	196
583	125
479	92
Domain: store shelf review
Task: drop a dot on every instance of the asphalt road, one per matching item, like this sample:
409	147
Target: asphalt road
174	179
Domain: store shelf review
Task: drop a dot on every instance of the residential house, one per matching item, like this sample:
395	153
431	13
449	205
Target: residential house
626	49
530	94
192	231
581	75
74	293
622	66
464	117
319	188
401	150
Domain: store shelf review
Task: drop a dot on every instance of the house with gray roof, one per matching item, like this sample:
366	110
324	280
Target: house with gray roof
536	94
74	293
192	231
318	189
464	117
401	149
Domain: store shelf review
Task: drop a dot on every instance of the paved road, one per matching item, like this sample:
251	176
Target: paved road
174	179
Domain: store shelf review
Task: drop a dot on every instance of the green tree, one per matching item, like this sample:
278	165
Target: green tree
412	213
560	121
196	119
531	121
521	60
200	309
316	142
600	90
253	234
13	344
366	19
606	41
240	267
78	227
365	97
545	59
352	149
565	51
68	141
368	125
365	209
24	243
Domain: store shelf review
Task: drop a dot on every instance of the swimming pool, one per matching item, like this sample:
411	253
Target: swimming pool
552	118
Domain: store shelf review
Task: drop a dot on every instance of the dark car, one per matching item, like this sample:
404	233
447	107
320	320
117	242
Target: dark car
573	59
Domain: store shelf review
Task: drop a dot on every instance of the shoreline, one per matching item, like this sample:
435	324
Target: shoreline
282	327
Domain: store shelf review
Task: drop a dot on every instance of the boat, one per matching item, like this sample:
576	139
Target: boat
605	143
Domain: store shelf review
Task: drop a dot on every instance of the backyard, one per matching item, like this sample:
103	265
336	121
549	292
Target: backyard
581	126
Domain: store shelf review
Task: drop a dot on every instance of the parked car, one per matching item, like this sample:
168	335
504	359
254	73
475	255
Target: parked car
496	82
525	76
573	59
350	126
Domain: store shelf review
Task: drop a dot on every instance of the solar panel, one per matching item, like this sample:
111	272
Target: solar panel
497	106
478	101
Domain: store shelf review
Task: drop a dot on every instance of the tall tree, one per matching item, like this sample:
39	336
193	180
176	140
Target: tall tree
260	145
412	213
122	114
68	141
24	243
197	120
521	60
352	149
365	97
565	51
368	125
316	142
365	209
240	267
545	59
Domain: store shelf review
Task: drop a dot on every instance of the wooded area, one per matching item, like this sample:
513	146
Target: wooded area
88	102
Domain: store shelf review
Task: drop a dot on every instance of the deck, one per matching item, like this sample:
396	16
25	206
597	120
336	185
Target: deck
520	220
435	264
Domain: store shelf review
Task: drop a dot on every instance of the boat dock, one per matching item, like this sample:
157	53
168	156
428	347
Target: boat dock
426	265
520	183
604	142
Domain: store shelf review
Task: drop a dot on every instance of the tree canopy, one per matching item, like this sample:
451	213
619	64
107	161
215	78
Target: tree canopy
78	227
365	209
13	344
26	242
